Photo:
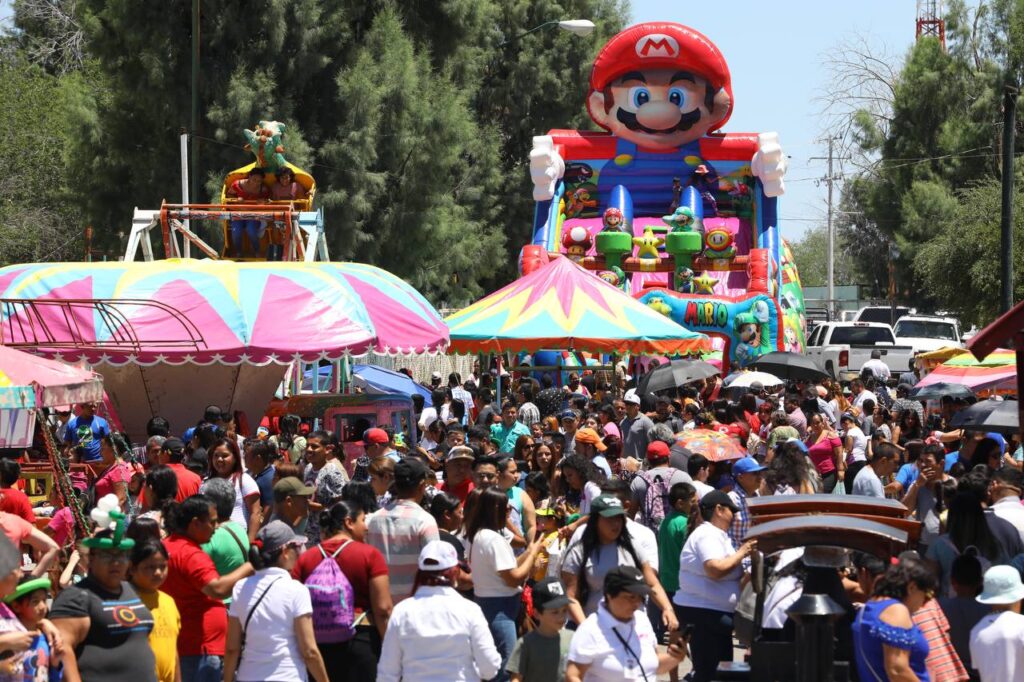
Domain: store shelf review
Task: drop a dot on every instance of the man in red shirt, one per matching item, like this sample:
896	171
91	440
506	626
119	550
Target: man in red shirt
172	454
458	472
12	500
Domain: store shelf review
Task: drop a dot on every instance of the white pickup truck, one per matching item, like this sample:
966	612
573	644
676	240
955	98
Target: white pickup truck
928	332
842	348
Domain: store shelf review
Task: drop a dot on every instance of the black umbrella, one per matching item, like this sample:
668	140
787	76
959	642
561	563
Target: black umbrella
994	414
792	366
940	390
674	374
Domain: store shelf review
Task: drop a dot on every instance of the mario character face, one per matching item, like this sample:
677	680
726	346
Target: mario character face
613	219
660	86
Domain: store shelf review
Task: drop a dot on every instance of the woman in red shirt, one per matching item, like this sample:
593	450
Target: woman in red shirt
197	589
825	449
344	527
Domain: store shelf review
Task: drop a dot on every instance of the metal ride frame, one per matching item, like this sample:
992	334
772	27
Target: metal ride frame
23	324
303	230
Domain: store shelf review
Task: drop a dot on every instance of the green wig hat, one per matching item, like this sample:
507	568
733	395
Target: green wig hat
27	587
108	516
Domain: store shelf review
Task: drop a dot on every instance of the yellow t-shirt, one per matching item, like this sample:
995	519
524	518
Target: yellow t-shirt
164	637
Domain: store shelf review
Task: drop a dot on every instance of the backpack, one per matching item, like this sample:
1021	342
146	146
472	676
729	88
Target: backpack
656	505
333	600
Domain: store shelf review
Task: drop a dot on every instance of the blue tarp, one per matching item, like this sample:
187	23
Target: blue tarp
373	379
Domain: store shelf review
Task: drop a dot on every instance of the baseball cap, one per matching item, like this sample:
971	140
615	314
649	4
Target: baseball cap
438	555
590	437
410	472
1002	586
173	444
460	452
656	450
546	511
625	579
631	397
712	500
607	506
747	465
568	414
292	486
756	387
799	443
277	535
549	594
374	436
435	375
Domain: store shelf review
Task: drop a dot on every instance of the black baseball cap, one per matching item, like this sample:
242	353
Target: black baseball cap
715	498
409	472
173	444
549	594
625	579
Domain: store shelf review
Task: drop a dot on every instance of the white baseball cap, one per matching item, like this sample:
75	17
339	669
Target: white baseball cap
1002	586
438	555
631	397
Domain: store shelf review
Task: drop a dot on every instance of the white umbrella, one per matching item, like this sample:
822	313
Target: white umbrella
745	379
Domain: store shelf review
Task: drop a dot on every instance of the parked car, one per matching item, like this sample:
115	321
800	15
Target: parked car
928	332
842	348
882	313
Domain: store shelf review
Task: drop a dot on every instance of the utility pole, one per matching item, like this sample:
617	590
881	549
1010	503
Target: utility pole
829	179
1010	92
194	123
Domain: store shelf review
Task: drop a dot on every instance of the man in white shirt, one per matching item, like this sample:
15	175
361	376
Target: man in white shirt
876	366
860	394
997	641
869	479
1004	491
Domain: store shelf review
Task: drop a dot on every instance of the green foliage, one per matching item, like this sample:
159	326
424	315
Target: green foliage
959	264
941	141
38	221
414	117
811	256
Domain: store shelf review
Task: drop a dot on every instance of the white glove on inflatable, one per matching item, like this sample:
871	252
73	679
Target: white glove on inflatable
546	167
769	164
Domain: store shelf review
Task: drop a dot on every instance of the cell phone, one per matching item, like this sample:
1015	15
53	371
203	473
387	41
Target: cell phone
681	634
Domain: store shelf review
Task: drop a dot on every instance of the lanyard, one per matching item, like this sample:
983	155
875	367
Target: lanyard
629	650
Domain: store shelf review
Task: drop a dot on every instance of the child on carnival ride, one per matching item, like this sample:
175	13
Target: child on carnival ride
249	189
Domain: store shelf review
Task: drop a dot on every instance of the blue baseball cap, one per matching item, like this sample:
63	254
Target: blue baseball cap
747	465
799	443
1000	441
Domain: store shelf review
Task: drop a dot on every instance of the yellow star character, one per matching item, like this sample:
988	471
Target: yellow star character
705	284
648	244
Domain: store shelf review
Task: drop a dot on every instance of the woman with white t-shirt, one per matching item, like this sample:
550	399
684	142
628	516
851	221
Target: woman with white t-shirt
606	543
270	620
856	445
498	574
617	642
226	462
709	584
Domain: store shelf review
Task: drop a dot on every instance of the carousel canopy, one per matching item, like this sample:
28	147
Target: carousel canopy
205	311
27	381
561	305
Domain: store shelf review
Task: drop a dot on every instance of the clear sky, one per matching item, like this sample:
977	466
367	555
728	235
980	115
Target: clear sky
775	51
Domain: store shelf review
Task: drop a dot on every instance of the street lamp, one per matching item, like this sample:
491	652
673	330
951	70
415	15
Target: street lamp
579	27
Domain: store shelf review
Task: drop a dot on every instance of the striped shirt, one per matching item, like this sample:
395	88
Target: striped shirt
943	663
400	531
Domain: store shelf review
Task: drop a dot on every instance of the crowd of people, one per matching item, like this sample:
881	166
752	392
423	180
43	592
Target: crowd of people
564	533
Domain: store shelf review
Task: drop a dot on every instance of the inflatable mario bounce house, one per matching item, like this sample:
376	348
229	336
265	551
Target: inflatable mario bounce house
663	204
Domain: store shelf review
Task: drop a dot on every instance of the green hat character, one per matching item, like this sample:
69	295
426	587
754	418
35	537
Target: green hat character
108	516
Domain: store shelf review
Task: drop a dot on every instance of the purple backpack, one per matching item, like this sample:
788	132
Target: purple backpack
656	505
333	600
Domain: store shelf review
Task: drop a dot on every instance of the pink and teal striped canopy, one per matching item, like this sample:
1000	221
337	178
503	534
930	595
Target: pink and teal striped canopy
205	311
